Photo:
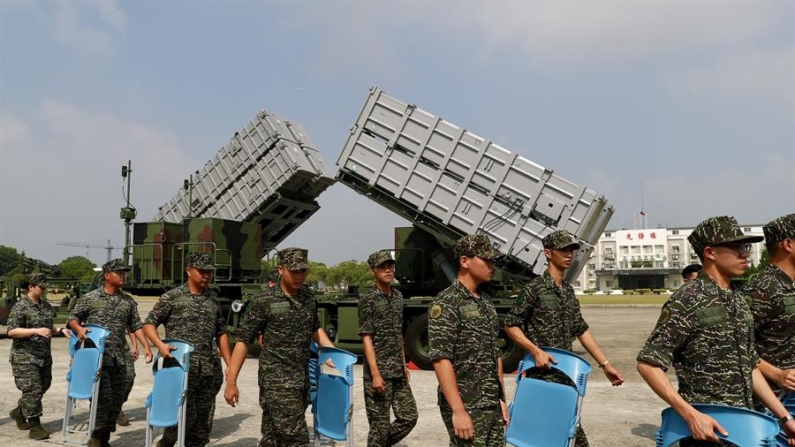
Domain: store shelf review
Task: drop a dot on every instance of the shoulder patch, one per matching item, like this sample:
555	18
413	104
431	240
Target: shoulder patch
435	312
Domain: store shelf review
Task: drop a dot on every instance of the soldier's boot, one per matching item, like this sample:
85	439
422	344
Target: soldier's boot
104	441
16	415
123	420
95	440
36	430
162	443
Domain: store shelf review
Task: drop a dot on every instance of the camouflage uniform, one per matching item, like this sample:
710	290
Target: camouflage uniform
116	313
195	319
287	324
550	316
706	333
31	358
381	316
464	329
772	297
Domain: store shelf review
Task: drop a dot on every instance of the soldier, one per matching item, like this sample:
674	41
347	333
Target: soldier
690	273
463	346
386	376
30	325
132	357
287	317
772	295
549	310
705	331
192	313
116	311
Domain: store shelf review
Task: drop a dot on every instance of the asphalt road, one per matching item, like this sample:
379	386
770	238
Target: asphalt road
625	416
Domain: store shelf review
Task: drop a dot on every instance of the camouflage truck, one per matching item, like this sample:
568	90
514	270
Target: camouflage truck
446	181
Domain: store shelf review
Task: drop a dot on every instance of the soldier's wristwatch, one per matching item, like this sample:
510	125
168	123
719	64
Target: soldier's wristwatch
784	419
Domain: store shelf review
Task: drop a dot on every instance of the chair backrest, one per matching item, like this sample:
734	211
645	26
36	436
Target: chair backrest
169	386
543	414
572	365
334	395
746	428
83	373
96	333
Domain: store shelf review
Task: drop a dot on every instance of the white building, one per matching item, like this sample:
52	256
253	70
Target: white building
646	259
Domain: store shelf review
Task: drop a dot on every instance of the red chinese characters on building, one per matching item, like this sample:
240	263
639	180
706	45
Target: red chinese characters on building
653	235
629	236
641	236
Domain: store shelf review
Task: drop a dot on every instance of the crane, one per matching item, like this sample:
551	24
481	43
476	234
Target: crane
107	247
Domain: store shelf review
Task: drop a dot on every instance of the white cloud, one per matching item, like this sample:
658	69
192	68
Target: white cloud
89	26
12	129
758	73
72	190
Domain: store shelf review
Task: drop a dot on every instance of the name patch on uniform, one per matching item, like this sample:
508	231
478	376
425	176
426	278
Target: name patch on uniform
470	311
96	304
711	316
435	312
789	304
280	305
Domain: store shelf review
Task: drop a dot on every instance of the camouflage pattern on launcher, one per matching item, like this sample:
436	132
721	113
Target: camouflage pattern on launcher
718	230
560	239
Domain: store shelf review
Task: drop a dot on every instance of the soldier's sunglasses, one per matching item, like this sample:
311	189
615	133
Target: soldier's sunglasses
742	249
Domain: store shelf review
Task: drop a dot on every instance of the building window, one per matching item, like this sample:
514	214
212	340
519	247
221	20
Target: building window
609	284
624	251
675	249
747	230
658	249
674	231
608	234
591	266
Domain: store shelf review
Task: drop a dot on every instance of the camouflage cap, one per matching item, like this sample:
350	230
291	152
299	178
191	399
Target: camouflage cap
380	257
780	228
476	245
560	239
115	265
37	279
719	230
294	258
201	261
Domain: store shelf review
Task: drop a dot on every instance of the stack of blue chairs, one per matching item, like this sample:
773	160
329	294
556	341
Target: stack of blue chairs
746	428
546	414
165	405
83	377
332	404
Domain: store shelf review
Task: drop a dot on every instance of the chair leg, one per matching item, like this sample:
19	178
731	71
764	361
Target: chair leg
67	418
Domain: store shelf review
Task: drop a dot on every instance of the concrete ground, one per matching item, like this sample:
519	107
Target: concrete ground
625	416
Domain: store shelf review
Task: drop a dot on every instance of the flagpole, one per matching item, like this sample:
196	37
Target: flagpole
642	211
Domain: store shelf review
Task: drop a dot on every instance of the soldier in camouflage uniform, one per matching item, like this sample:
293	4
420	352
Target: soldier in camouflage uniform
132	357
705	331
116	311
772	296
463	346
287	317
550	312
30	324
192	313
386	376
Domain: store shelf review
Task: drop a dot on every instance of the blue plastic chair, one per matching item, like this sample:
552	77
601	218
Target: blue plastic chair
546	414
333	408
746	428
165	405
83	381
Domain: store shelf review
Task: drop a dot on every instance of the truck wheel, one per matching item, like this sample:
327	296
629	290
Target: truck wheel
417	342
511	353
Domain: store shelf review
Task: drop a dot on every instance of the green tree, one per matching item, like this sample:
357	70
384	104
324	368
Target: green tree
764	261
9	259
318	273
350	273
77	267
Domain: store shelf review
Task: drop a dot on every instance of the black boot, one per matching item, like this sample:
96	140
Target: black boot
16	415
104	440
36	430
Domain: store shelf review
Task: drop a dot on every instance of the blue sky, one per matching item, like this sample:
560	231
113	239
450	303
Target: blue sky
694	99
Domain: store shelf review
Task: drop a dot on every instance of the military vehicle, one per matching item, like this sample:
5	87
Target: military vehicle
447	181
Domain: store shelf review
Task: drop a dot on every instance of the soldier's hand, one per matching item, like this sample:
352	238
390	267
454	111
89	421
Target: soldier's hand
613	375
789	429
43	332
407	371
82	333
703	427
134	353
786	379
378	384
462	425
165	351
330	363
543	359
148	355
506	415
231	394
